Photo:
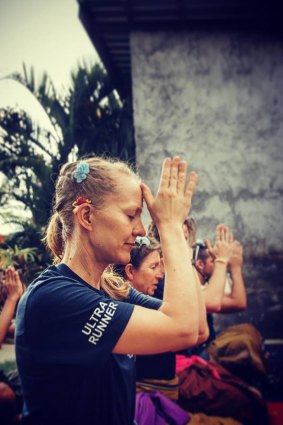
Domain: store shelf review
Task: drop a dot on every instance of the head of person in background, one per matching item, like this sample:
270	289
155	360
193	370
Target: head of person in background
203	260
145	267
189	229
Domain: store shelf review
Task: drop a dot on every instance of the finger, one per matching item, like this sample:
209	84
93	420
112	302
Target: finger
225	228
224	232
17	277
147	195
219	227
217	236
191	185
218	232
174	172
230	237
9	271
165	174
7	277
182	169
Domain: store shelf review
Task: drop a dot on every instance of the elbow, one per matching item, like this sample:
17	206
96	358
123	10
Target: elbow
213	307
190	341
242	305
187	339
190	336
203	333
217	308
203	336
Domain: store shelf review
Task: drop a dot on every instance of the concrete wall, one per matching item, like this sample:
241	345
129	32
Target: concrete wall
217	100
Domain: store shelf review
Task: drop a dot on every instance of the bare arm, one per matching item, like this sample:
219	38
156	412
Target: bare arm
171	327
213	292
203	326
237	300
14	289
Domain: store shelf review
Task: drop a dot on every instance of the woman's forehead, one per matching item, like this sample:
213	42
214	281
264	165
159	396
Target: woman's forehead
129	192
152	256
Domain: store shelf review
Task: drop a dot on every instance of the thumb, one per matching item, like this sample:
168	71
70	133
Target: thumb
147	195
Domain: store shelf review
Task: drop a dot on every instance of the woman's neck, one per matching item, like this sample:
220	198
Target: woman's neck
83	262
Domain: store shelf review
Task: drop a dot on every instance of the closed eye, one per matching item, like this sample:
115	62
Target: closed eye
133	213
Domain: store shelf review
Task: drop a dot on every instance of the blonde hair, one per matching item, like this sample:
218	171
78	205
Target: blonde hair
101	180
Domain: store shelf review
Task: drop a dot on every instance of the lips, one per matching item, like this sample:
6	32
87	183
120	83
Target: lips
130	245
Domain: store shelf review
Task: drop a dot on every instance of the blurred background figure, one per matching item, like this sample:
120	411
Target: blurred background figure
155	372
10	386
11	291
220	272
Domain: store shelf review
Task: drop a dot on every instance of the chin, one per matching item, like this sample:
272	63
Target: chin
123	259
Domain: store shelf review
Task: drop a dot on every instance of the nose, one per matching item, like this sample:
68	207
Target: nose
139	229
159	274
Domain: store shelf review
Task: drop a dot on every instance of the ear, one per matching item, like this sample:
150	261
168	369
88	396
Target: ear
84	215
129	270
200	264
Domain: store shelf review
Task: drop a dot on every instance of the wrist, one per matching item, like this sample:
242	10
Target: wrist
235	269
223	260
13	299
170	231
169	226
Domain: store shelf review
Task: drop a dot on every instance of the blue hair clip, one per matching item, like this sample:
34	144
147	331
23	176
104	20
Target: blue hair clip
142	240
81	171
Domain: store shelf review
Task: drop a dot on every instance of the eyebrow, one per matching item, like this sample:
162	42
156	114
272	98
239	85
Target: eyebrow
154	263
134	208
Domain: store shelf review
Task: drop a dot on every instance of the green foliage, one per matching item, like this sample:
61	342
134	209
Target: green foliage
16	257
23	249
23	259
88	118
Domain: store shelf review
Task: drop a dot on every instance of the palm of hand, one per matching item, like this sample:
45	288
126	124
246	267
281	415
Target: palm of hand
13	285
174	196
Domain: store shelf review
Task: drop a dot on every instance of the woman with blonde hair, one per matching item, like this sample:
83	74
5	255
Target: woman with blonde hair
79	326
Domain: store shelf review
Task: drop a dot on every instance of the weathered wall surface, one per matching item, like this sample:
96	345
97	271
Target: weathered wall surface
217	100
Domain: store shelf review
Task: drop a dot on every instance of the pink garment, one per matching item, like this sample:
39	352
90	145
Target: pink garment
183	362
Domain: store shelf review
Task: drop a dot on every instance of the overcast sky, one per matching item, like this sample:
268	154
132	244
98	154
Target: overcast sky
46	34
